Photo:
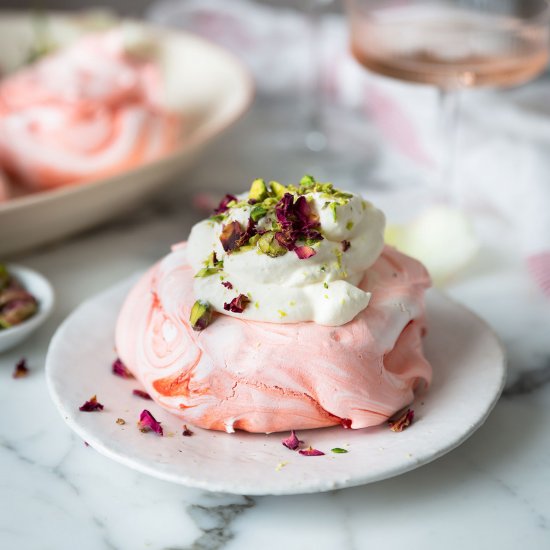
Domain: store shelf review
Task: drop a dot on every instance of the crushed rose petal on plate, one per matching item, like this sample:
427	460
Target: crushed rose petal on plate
147	422
402	422
91	405
292	442
186	431
310	451
142	394
120	369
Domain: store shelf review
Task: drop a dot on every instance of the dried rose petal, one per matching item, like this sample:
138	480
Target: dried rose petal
91	405
147	422
238	304
402	422
230	235
120	421
311	452
304	252
222	207
142	394
292	442
186	431
120	369
249	232
21	369
297	221
345	245
346	423
227	284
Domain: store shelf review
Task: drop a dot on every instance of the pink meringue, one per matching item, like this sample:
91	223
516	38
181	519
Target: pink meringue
267	377
86	112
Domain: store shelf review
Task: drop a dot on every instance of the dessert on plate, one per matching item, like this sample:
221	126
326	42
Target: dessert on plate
87	111
283	310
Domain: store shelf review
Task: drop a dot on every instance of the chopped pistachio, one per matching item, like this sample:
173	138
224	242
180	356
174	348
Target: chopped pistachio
333	206
349	225
281	313
307	181
258	190
206	272
325	284
256	305
269	245
278	189
201	315
339	450
258	212
326	296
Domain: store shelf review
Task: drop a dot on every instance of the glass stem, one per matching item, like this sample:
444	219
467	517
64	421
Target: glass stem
449	107
315	138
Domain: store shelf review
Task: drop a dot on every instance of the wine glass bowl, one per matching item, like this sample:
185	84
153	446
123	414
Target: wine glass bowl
451	44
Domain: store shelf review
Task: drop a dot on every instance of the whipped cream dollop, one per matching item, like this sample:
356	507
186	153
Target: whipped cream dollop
287	254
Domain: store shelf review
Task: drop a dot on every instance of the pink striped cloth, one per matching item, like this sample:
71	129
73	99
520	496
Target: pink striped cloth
504	137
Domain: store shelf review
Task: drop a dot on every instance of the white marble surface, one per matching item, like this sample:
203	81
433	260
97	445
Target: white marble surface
56	493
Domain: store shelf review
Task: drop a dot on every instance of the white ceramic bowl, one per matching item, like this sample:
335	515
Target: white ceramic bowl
208	85
40	288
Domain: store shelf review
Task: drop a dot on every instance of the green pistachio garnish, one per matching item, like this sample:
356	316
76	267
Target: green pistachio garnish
206	272
333	206
213	266
278	189
258	190
339	450
307	181
201	315
349	225
325	284
269	245
258	212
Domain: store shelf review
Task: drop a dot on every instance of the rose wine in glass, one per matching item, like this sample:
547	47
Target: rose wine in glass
452	45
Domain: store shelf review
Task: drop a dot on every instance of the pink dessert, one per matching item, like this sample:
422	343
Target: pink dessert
86	112
267	376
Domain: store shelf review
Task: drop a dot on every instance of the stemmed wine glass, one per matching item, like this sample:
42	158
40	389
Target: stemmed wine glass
453	45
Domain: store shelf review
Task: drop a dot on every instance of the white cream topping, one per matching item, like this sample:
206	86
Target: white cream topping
287	289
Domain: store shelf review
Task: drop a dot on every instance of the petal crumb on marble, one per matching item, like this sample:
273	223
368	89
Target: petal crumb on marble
92	405
281	465
120	421
401	422
292	442
147	422
186	431
21	370
120	369
310	451
86	444
142	394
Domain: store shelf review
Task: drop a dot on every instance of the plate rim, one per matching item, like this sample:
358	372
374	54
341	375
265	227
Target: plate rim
219	486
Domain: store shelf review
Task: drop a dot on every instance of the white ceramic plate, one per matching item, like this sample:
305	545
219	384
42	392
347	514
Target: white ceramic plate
209	86
469	374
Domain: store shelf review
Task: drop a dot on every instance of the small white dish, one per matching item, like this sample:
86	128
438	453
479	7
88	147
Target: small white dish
40	288
469	373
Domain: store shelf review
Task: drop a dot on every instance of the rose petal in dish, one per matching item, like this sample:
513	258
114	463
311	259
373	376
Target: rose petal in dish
92	405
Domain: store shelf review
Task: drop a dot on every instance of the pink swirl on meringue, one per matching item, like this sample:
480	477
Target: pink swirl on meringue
86	112
265	377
